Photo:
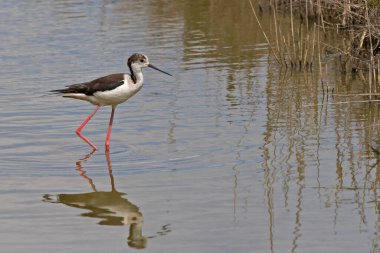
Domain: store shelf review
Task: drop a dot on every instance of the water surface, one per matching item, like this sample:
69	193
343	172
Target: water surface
233	154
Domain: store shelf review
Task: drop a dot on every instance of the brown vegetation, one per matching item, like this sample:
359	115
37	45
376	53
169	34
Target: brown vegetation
353	22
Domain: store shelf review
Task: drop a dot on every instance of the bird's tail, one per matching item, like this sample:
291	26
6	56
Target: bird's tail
74	88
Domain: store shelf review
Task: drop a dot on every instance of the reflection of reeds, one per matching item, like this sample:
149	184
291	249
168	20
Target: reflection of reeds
298	134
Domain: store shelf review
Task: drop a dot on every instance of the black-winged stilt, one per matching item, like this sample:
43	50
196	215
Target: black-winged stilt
110	90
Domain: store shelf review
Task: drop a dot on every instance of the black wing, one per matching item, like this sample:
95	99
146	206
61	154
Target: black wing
104	83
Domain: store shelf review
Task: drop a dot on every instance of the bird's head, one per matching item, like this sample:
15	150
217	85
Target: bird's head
138	61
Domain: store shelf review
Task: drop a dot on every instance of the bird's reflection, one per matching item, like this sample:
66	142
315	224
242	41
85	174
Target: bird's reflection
112	208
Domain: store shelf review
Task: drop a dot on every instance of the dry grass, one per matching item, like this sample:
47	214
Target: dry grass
354	21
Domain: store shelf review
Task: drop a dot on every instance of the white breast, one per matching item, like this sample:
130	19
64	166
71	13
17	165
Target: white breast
118	95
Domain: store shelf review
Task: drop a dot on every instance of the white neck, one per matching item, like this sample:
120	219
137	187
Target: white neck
138	74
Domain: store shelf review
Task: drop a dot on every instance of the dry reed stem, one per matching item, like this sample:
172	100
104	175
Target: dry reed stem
320	14
371	63
262	30
312	51
300	46
319	57
357	94
292	27
307	15
276	29
306	51
287	49
343	102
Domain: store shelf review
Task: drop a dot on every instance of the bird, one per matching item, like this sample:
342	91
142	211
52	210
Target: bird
109	90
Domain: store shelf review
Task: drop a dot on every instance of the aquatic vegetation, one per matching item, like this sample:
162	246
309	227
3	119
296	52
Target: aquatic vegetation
345	32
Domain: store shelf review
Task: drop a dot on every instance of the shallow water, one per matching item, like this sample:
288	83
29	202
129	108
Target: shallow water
233	154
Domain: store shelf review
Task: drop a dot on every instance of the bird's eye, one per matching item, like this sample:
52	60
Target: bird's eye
142	60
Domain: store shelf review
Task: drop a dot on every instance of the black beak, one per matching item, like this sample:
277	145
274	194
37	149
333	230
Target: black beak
153	67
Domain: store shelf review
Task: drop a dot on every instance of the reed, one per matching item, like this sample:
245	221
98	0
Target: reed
311	21
298	47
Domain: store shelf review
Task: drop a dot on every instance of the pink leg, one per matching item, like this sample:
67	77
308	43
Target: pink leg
78	131
110	128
